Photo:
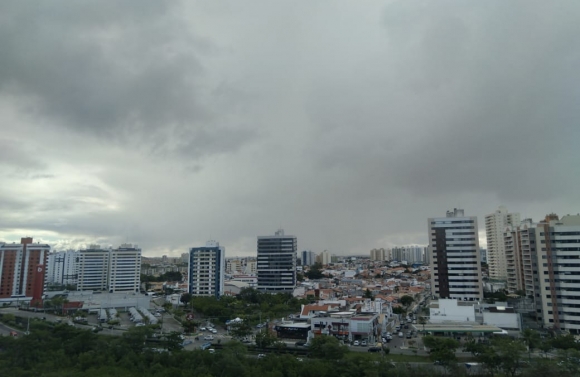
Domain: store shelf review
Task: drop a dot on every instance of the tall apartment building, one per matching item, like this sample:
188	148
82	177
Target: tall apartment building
325	258
93	269
558	262
61	268
409	254
308	258
206	270
277	262
379	254
495	225
113	270
251	266
23	269
454	250
520	252
234	266
125	269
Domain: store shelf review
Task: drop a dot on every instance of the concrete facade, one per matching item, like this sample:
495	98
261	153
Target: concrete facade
277	263
454	251
207	270
495	225
23	269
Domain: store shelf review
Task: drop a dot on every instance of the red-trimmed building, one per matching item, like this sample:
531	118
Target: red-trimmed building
23	270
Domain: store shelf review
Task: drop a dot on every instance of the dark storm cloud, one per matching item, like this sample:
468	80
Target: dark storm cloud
473	97
125	71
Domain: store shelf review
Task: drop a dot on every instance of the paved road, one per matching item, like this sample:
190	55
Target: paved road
5	330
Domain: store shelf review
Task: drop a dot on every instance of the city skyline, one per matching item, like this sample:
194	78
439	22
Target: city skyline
348	124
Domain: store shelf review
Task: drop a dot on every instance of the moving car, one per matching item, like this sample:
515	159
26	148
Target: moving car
400	334
374	349
261	356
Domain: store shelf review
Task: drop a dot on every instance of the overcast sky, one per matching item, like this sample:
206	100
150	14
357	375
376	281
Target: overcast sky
347	123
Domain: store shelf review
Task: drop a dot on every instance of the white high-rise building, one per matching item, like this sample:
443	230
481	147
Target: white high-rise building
325	258
93	269
454	251
557	243
308	258
125	269
62	268
113	270
379	254
206	270
495	226
277	262
409	254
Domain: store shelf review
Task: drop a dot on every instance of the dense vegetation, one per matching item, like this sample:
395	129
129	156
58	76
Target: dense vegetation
167	276
63	350
251	305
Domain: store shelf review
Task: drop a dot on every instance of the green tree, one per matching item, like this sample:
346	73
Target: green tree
240	330
442	350
564	342
264	339
9	318
406	301
545	346
569	359
315	272
135	338
532	340
185	298
398	310
368	294
327	347
510	353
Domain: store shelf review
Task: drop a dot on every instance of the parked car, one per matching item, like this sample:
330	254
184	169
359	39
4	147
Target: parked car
355	343
300	343
400	334
208	337
213	331
363	343
261	356
202	329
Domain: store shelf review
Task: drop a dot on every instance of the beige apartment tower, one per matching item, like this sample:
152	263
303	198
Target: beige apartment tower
495	226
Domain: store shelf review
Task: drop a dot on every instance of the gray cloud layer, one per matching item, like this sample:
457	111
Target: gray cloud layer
167	123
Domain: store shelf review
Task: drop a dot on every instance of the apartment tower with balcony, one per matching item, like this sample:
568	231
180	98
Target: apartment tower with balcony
495	226
277	263
206	270
454	251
